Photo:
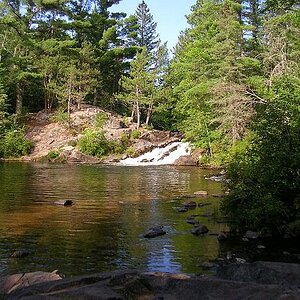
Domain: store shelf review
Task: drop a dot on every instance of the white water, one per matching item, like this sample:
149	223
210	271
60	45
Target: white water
159	156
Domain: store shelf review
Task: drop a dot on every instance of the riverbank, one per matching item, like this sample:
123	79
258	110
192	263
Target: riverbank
259	280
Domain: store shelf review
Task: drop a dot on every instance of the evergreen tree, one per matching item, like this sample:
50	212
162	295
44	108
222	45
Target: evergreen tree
147	36
264	171
139	85
208	72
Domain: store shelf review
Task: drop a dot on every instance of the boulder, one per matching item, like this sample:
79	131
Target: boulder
199	229
154	232
186	160
8	284
64	203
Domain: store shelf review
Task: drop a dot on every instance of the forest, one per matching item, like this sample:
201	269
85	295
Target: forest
231	86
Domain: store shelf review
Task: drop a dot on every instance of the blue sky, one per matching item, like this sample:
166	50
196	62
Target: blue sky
168	14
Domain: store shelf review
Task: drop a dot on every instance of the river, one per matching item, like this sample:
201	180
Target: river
113	206
103	230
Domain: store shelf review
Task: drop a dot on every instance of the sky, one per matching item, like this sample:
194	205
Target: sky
168	14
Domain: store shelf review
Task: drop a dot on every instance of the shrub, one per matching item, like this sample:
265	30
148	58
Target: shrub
60	116
14	144
53	154
135	134
94	143
101	119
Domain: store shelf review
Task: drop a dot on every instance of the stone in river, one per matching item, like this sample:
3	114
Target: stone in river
199	229
191	220
64	203
154	232
182	209
190	204
20	254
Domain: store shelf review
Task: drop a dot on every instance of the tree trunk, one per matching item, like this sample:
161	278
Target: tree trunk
69	102
19	98
137	107
149	113
138	115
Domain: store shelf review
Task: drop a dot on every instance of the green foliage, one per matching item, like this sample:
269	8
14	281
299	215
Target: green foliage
101	119
60	116
135	134
146	33
208	74
14	144
94	143
53	154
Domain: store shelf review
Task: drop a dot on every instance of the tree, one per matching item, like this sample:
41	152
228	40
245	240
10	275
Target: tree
208	72
147	36
264	171
138	86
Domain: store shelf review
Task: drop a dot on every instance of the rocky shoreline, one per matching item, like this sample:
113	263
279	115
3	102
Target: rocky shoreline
48	135
258	280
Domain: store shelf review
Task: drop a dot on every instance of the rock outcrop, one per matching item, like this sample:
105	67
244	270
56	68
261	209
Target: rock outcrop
130	284
49	135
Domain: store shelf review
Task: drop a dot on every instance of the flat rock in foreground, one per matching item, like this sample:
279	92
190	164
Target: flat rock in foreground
130	284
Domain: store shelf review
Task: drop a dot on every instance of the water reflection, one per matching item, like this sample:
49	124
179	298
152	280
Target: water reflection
114	205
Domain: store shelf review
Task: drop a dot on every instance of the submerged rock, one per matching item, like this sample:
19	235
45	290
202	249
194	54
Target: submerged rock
191	220
154	232
218	195
263	273
199	229
189	204
182	209
20	254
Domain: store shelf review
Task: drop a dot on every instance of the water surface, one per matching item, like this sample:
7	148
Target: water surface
114	205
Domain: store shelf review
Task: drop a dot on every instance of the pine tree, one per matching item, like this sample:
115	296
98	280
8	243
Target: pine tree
208	72
147	36
139	85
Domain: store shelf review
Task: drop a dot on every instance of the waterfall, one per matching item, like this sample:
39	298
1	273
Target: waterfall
159	156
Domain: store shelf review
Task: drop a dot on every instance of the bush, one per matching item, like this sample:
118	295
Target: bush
94	143
135	134
14	144
53	154
60	116
101	119
264	171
